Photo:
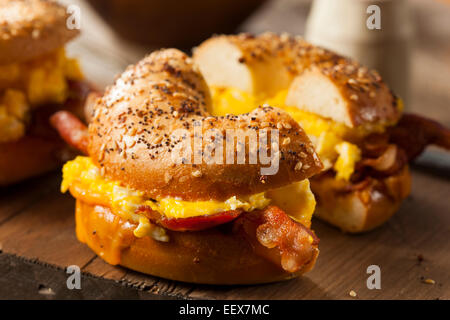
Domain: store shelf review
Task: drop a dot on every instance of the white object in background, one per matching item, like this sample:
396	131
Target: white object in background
347	27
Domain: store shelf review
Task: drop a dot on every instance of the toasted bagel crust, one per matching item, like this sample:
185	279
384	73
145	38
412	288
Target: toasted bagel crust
364	209
209	257
133	127
31	28
28	157
318	80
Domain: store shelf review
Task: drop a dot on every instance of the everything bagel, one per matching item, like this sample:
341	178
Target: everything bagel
31	29
168	79
354	120
218	220
36	80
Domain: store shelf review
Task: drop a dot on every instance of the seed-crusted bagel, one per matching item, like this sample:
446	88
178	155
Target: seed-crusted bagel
363	209
336	100
30	156
216	222
132	141
36	79
31	28
317	79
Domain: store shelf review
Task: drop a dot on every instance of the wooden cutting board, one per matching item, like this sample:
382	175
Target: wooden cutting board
38	241
37	237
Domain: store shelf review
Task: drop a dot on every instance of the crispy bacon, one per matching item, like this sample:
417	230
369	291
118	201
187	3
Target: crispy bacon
390	160
374	145
385	161
71	129
78	96
189	224
413	133
271	232
278	238
384	154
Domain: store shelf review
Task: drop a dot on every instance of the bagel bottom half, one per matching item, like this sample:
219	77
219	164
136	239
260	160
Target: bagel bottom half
212	256
363	209
28	157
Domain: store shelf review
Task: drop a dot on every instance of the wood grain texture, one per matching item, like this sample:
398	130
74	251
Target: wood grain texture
37	233
411	247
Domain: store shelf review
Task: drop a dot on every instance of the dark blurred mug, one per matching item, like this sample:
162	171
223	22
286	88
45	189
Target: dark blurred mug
176	23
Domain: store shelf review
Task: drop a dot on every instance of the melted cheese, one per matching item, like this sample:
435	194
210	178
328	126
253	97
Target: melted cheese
325	134
26	85
296	200
349	155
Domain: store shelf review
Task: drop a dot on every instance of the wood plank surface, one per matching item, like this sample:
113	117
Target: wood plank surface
37	236
412	247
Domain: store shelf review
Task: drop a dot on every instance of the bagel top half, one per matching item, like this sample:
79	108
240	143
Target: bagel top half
317	80
130	136
32	28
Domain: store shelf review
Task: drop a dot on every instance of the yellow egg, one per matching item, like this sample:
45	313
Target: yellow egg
349	155
296	198
30	84
324	133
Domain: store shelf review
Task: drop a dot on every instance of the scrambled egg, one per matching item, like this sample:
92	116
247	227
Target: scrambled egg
24	86
335	143
13	115
297	199
349	155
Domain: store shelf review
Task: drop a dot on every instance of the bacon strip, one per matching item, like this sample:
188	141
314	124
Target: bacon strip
275	236
71	129
191	223
271	232
385	154
390	160
413	133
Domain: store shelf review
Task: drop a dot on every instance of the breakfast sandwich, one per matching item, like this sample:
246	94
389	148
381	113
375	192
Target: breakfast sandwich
354	120
36	79
163	189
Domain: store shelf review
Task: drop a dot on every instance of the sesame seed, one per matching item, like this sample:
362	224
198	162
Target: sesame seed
35	33
429	281
132	144
286	141
298	166
354	97
352	293
197	173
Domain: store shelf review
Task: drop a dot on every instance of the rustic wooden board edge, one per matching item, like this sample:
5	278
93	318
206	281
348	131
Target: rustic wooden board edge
38	280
